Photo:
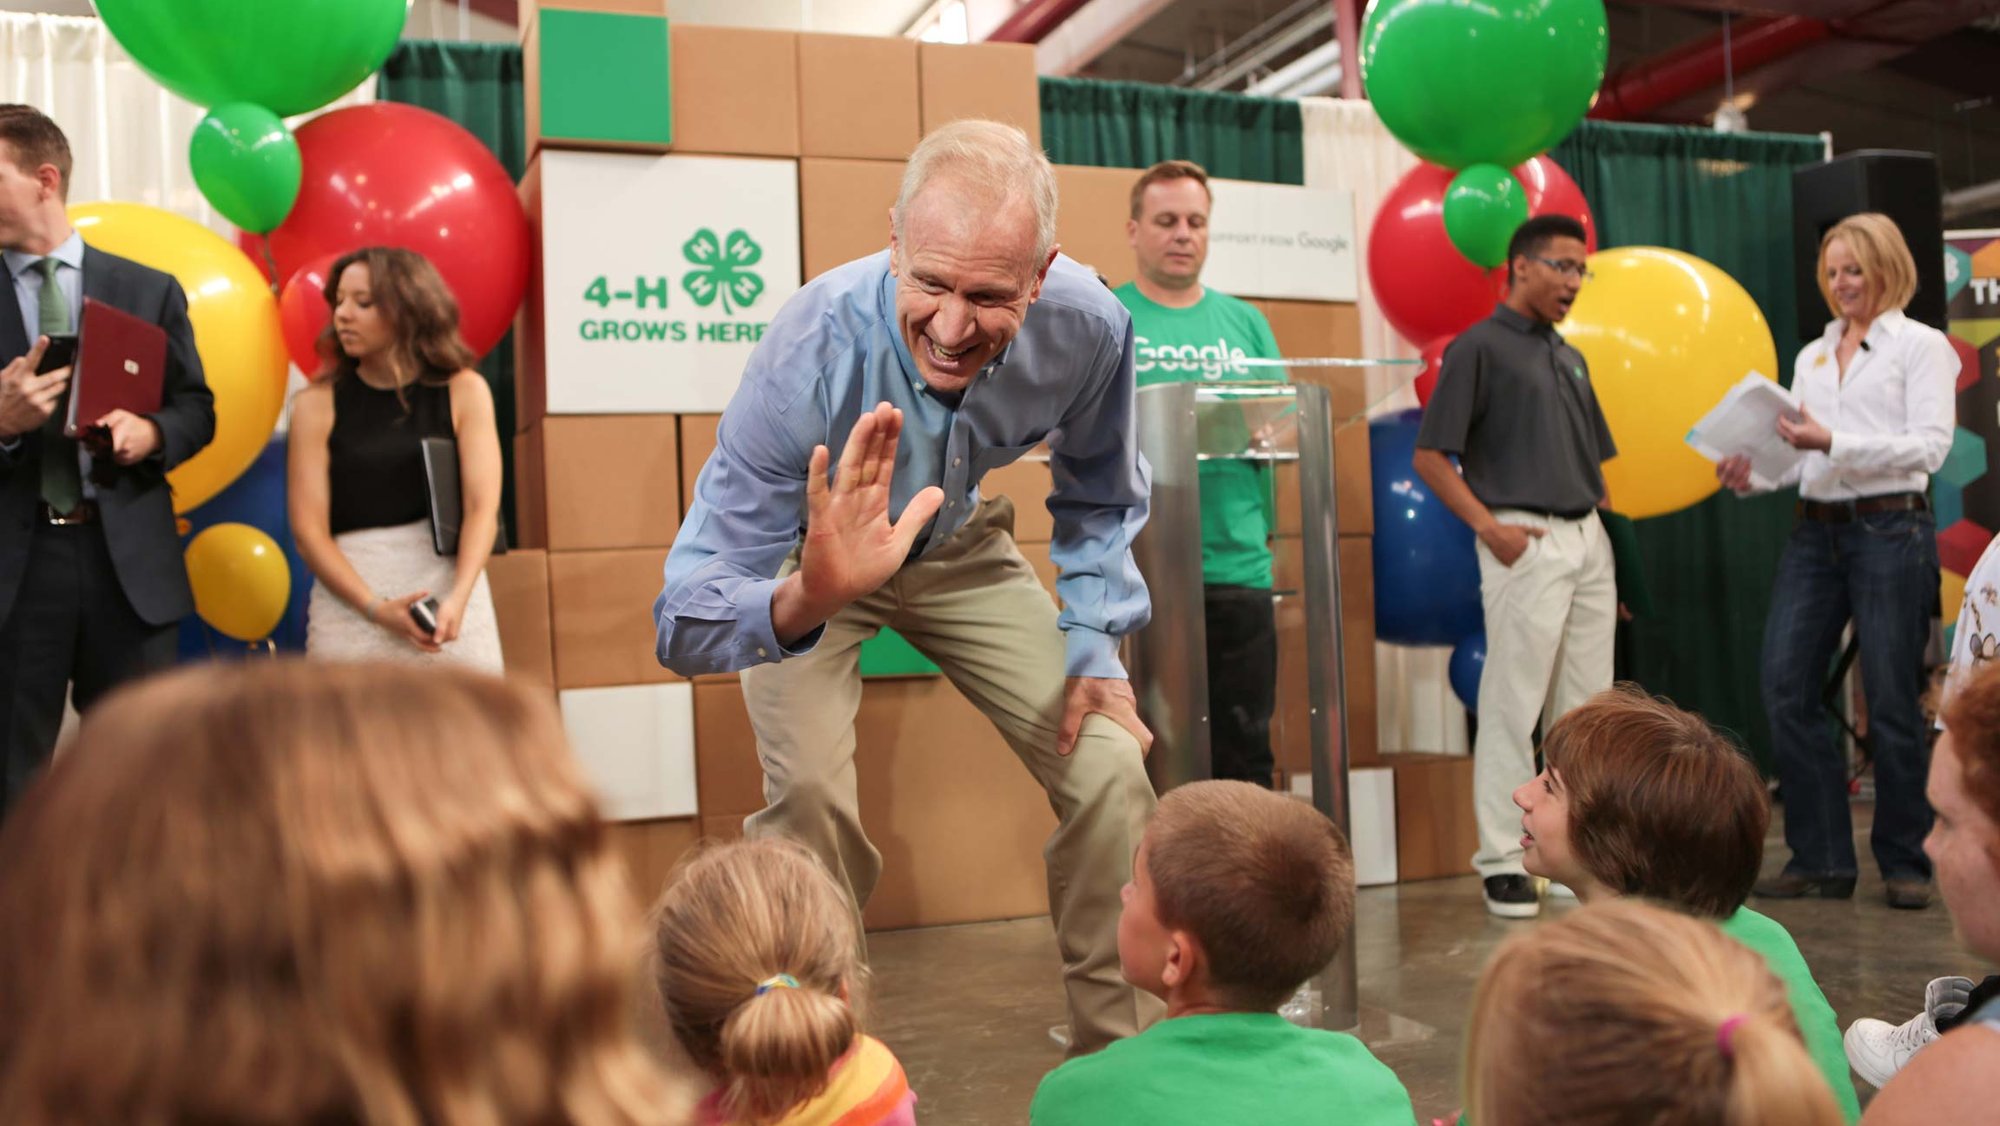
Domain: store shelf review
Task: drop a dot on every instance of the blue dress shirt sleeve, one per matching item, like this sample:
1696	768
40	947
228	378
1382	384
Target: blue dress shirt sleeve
1103	487
714	610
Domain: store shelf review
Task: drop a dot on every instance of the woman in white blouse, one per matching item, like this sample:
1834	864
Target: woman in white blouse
1878	393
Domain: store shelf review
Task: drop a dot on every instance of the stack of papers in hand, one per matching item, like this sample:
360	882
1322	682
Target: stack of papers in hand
1746	422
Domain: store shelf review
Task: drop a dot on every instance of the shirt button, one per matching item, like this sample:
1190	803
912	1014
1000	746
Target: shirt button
917	387
956	462
760	652
951	504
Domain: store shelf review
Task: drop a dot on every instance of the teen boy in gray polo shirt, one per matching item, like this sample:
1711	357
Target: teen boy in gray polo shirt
1514	402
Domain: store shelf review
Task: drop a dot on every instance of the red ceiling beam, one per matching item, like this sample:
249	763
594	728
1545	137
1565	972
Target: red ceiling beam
1638	90
1032	21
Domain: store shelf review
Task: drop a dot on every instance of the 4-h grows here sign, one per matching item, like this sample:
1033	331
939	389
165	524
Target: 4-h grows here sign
659	275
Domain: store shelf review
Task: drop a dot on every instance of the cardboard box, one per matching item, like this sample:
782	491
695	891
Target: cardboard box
1436	834
635	742
1027	483
959	821
601	604
1353	485
736	91
995	81
520	584
597	79
1090	224
1290	731
844	210
649	850
599	482
857	96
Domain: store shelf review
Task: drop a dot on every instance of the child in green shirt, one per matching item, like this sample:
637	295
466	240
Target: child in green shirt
1640	799
1238	895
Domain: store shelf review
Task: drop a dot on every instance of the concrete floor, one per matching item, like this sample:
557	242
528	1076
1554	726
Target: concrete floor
968	1009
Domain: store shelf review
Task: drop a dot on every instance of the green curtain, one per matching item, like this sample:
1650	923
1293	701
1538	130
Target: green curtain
1726	198
1135	124
477	85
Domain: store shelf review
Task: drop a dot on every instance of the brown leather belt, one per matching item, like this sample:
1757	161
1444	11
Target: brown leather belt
85	512
1846	511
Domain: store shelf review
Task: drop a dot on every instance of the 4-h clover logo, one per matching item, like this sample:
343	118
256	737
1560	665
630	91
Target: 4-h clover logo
722	269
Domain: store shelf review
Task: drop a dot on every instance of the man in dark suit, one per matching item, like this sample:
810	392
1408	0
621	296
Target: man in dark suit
92	584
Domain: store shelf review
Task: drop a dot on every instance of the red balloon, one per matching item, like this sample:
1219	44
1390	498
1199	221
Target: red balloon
1427	380
389	174
1426	288
303	313
1552	192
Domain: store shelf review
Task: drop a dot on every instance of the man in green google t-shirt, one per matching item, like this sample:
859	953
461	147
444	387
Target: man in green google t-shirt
1183	331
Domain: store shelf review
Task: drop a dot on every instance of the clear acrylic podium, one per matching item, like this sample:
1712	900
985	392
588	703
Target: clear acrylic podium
1180	426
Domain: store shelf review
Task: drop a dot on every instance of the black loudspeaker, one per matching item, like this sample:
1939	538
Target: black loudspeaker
1906	187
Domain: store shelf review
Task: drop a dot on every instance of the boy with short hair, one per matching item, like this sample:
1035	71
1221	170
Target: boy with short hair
1638	798
1238	895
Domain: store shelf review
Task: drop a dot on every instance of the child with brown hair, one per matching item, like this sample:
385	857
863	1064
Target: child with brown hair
1238	895
1623	1012
300	892
1639	798
758	966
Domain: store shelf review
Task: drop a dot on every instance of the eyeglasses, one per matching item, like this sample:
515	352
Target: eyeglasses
1565	267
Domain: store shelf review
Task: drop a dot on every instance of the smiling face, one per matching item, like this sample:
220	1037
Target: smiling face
1545	842
358	321
1964	846
966	273
1851	291
1170	236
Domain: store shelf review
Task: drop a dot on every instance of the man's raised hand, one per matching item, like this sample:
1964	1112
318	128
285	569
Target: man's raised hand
851	547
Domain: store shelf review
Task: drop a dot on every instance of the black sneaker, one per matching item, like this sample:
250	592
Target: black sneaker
1512	897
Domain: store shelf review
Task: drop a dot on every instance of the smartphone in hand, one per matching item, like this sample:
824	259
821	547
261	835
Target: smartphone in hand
61	353
425	614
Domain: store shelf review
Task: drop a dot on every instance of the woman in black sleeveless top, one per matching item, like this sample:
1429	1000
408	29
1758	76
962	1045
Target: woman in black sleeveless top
396	372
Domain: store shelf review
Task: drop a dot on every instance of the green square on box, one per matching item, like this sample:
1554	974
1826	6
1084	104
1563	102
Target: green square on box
890	654
605	77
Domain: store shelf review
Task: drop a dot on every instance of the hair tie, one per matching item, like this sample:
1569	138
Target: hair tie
777	981
1725	1034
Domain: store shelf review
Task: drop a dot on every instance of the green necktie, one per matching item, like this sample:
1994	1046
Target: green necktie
62	482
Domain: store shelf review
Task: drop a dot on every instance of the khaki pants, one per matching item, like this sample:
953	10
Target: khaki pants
975	608
1550	622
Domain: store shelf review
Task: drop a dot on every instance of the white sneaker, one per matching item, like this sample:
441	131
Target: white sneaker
1877	1049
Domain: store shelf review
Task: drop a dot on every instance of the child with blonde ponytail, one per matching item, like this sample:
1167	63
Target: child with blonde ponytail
758	965
1623	1012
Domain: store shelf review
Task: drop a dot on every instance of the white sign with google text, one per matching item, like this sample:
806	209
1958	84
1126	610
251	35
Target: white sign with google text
659	275
1280	240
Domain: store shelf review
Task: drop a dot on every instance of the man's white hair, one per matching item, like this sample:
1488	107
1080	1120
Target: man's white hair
995	159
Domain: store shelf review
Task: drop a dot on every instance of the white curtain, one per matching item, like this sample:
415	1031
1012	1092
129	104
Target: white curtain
1347	147
127	133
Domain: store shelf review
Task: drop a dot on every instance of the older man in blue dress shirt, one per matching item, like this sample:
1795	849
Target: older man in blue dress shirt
916	372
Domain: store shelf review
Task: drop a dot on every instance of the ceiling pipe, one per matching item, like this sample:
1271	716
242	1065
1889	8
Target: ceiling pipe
1638	90
1321	60
1972	200
1284	39
1032	21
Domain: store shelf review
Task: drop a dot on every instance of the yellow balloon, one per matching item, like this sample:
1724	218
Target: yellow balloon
236	332
241	580
1666	335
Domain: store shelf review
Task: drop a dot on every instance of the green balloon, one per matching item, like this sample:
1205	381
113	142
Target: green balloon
1490	83
1483	207
247	163
287	55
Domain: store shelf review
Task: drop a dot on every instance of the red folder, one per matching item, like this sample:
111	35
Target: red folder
121	363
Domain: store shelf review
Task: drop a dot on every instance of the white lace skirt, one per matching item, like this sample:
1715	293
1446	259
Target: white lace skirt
395	562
